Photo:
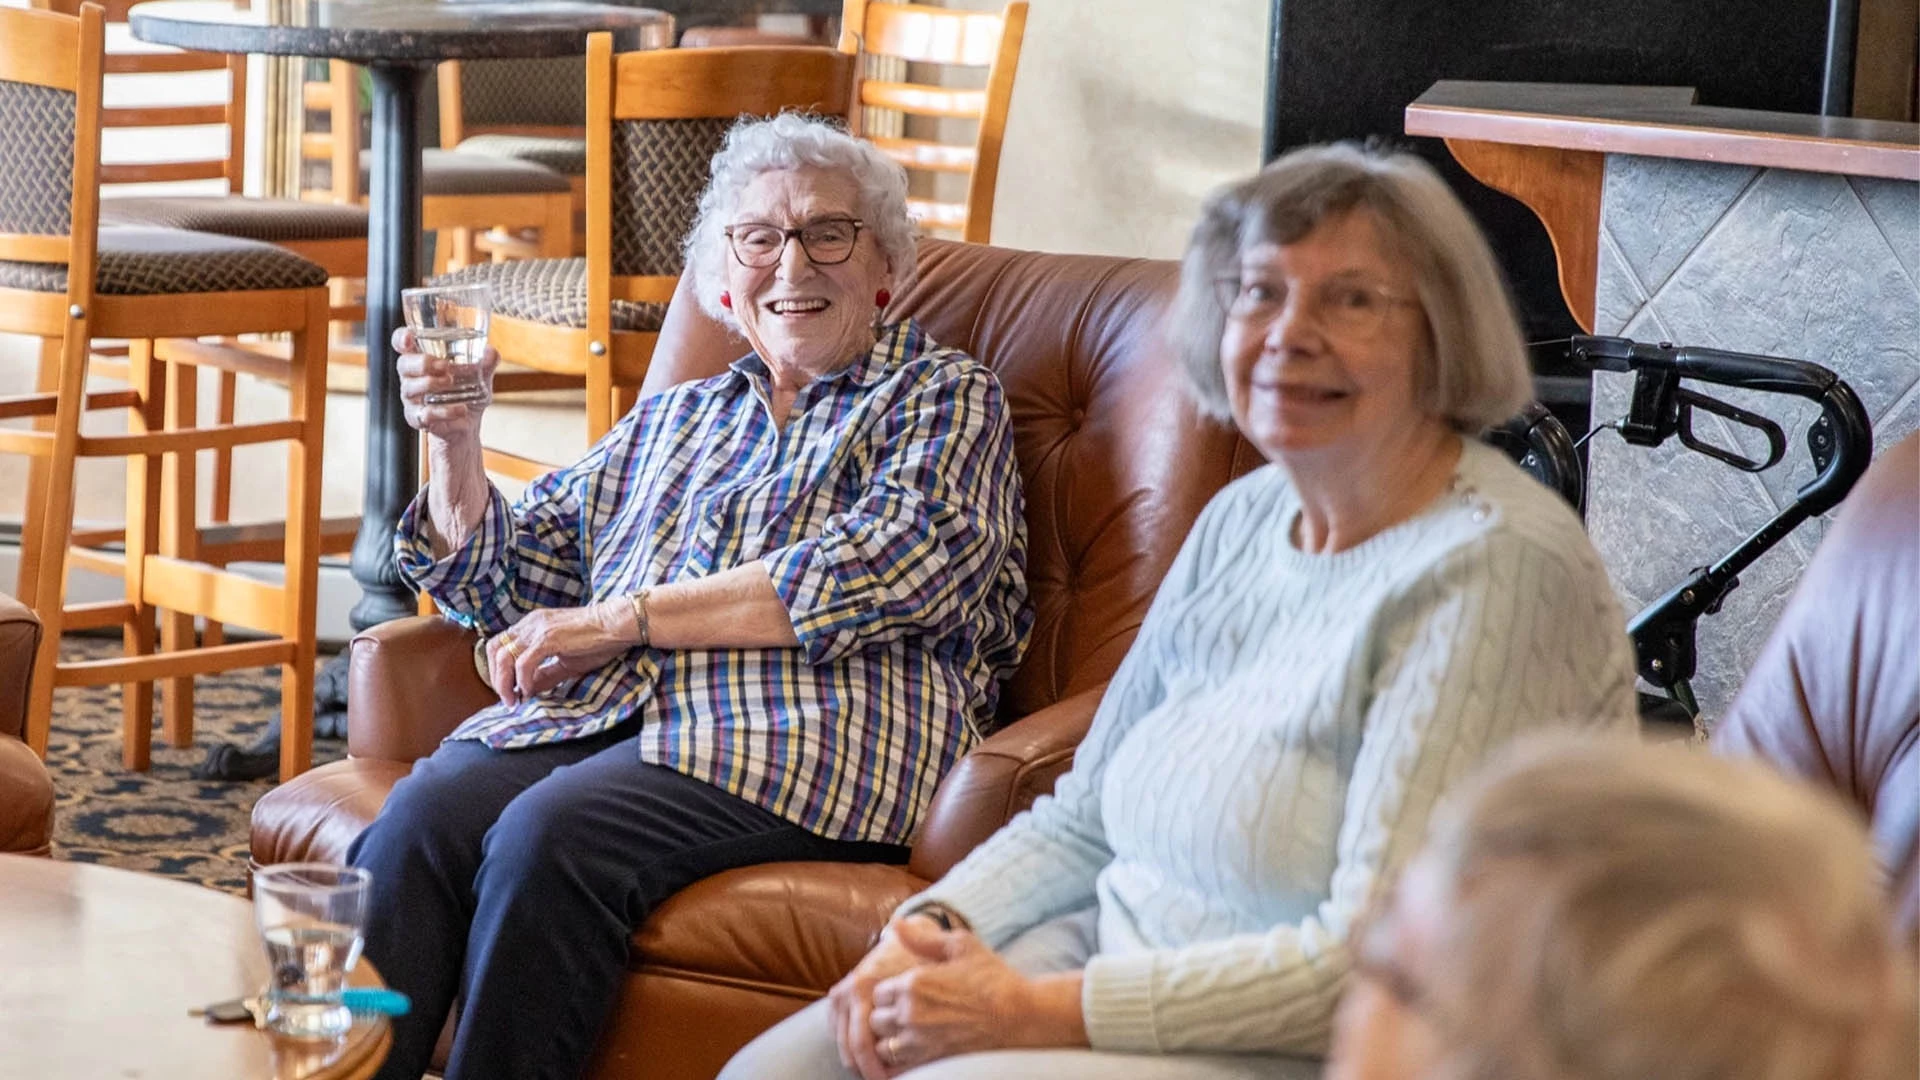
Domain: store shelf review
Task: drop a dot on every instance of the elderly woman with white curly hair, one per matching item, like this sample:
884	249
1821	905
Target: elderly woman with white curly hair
756	622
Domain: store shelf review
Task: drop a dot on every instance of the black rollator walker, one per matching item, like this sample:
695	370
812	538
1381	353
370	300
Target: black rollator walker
1840	442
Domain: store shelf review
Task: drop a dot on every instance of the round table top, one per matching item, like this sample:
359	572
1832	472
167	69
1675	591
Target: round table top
98	968
398	31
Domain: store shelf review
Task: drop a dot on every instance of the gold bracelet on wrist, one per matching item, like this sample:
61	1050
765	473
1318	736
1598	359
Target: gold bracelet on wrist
639	602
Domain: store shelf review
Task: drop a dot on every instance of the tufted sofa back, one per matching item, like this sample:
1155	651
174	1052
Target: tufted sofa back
1116	461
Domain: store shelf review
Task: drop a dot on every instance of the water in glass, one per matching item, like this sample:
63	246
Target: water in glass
450	323
310	917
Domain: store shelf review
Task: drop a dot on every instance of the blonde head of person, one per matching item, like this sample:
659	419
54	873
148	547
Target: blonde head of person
1600	911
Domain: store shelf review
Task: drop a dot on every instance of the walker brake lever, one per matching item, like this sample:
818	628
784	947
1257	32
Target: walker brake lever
1689	400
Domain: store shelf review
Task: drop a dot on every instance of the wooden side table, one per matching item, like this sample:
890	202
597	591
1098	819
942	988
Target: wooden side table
98	968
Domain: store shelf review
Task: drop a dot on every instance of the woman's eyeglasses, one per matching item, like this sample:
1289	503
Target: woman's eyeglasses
1356	309
828	242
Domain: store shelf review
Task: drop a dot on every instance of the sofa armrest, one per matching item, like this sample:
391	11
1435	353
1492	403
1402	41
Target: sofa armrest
411	682
19	640
999	778
797	925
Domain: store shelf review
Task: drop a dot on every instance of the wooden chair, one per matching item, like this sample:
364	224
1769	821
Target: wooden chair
463	193
655	119
918	34
66	279
523	110
331	235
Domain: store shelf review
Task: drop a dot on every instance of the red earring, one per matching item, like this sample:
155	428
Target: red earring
726	300
882	298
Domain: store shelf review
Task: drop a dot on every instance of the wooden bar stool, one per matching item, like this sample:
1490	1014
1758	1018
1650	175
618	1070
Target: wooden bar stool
63	278
334	235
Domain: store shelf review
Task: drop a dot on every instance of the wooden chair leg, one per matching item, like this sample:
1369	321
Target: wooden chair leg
70	385
178	511
33	521
556	234
147	376
308	401
222	479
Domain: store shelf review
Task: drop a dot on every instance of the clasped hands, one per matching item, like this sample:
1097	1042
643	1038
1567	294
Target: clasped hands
924	993
551	645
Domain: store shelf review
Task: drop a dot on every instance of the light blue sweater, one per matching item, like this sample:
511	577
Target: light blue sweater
1269	752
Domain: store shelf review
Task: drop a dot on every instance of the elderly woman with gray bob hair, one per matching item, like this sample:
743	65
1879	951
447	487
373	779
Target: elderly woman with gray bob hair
1347	632
1589	910
757	622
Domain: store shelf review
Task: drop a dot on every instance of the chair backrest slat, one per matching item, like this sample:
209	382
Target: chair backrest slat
917	34
225	108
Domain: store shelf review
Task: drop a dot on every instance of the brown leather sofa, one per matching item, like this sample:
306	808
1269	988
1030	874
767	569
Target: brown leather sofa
1835	695
26	791
1116	466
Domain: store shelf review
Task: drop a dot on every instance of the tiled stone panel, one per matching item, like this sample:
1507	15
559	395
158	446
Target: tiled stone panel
1784	263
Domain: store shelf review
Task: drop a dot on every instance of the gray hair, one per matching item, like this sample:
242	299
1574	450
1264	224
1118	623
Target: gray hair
1619	911
1475	373
793	141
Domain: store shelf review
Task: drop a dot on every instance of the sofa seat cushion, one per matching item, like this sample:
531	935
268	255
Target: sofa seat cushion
551	292
796	925
568	157
453	172
172	262
275	221
26	800
316	815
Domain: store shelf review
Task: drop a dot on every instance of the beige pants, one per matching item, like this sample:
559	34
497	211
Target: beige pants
802	1048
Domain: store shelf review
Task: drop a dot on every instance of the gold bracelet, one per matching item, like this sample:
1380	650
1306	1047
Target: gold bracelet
639	602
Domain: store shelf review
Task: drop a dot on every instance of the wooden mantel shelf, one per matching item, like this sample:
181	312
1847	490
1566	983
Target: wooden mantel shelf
1546	145
1663	121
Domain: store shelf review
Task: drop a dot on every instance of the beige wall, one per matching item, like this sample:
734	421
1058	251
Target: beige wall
1126	113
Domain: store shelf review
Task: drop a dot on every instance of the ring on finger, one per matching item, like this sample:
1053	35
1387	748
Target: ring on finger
890	1049
512	646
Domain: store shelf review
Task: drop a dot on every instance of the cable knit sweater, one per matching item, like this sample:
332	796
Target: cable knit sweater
1270	750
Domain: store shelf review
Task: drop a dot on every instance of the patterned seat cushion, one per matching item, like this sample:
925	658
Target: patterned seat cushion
451	172
167	262
271	220
552	292
567	157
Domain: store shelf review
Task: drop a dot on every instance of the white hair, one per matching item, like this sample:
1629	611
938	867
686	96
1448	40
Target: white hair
795	141
1618	912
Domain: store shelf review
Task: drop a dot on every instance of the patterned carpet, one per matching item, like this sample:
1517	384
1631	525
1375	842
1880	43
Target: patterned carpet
162	821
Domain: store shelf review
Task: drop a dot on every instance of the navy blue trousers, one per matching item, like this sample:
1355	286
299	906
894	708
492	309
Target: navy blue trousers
512	880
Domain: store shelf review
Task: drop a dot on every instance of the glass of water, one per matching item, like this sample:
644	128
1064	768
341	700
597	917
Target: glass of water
450	322
311	916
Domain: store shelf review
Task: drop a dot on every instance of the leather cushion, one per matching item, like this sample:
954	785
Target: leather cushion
801	925
1835	694
565	156
317	814
19	637
169	262
272	220
450	172
26	800
552	292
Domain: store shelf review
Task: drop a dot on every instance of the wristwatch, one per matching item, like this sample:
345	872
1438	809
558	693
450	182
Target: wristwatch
639	602
948	918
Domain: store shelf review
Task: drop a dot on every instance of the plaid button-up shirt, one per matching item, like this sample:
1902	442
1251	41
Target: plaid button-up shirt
888	513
